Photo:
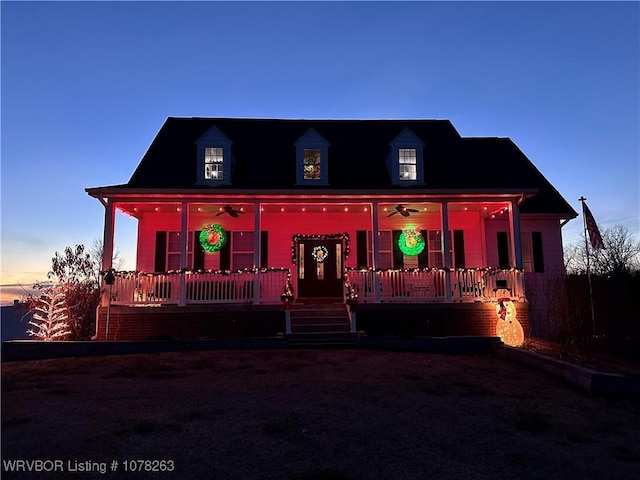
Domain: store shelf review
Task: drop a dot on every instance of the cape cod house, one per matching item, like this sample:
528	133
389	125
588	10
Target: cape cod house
399	226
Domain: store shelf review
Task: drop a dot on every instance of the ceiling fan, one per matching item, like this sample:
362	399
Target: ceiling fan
403	210
231	211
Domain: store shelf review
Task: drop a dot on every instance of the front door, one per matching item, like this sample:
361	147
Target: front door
320	268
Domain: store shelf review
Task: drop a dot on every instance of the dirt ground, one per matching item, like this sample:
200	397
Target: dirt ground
310	414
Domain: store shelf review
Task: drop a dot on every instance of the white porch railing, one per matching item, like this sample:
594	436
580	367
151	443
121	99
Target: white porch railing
267	286
430	285
131	288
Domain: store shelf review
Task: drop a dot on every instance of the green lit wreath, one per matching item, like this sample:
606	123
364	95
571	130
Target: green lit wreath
320	253
411	241
213	238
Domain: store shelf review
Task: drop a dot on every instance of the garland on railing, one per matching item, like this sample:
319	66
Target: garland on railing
434	269
135	273
331	236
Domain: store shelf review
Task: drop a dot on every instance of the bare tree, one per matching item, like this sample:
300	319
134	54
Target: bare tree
96	250
621	254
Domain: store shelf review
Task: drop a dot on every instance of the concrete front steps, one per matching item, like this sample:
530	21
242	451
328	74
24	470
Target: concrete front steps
320	324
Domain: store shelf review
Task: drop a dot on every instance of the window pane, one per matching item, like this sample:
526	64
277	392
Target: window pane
338	260
213	171
408	160
408	172
527	257
301	261
407	155
174	242
311	163
213	155
242	241
384	240
173	261
435	260
320	270
435	242
242	260
213	160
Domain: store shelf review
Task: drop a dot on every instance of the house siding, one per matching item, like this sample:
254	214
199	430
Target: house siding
283	225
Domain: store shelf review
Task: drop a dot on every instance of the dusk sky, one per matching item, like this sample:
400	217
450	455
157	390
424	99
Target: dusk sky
87	85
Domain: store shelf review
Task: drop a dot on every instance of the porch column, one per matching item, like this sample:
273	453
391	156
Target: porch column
446	245
376	250
184	244
257	261
514	225
107	246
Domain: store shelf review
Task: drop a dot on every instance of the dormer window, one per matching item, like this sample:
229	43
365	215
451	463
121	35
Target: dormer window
405	160
213	163
214	158
312	164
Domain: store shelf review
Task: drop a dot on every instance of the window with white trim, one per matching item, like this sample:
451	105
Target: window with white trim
407	164
241	250
173	251
532	256
311	164
385	246
213	163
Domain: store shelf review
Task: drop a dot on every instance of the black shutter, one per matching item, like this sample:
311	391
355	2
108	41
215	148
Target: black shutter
361	249
398	256
536	247
458	248
198	252
264	249
423	257
503	250
225	254
160	263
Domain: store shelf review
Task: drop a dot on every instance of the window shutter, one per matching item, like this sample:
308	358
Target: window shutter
160	264
423	257
225	254
536	247
264	249
398	256
198	252
458	248
503	250
361	249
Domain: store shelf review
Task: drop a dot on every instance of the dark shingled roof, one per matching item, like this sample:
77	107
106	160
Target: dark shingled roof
265	154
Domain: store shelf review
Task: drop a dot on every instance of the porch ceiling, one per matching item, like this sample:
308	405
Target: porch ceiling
136	208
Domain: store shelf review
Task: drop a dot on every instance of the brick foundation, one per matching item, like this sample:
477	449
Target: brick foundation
169	322
435	320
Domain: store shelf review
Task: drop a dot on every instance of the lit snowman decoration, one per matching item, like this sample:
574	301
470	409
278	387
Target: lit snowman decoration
508	327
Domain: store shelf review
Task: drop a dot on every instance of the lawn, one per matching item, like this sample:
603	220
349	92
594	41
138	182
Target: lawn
312	414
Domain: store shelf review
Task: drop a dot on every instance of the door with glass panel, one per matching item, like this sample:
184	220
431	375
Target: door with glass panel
320	268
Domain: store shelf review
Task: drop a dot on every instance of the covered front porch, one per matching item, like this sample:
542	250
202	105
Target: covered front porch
360	251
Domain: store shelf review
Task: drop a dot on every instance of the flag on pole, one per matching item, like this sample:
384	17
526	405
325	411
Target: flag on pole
592	229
